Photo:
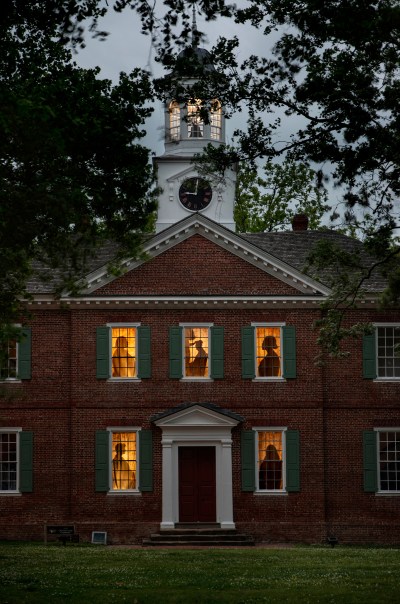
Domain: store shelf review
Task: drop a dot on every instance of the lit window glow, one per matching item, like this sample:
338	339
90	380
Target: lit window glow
195	122
174	121
124	461
268	351
216	120
270	461
196	351
123	352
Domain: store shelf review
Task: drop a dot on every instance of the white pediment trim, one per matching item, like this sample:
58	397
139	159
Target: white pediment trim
226	239
196	417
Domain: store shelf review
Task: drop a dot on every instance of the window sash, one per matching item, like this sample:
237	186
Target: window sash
388	360
124	460
9	369
270	460
388	461
9	461
196	351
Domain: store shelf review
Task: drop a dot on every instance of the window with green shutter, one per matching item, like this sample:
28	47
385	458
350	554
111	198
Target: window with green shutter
16	461
268	351
123	351
124	460
196	351
15	358
370	461
275	460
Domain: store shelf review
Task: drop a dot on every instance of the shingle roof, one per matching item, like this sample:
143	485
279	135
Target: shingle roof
291	247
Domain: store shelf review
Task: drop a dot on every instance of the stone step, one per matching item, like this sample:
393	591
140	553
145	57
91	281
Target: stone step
205	543
200	537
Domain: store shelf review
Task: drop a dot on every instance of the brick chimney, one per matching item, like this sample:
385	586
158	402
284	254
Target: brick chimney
300	222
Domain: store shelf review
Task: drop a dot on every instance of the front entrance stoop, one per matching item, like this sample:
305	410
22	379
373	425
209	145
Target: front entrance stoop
199	534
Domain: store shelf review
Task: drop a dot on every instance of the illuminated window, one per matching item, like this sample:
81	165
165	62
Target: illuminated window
196	360
9	360
270	460
174	121
195	121
388	340
123	344
216	120
268	352
8	461
124	461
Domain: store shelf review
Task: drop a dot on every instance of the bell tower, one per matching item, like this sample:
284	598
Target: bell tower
187	132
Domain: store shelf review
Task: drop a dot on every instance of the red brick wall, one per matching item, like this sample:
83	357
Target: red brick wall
64	404
196	267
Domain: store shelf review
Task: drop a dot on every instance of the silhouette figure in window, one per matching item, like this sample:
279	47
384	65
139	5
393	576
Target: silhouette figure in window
123	363
197	368
123	476
269	366
270	472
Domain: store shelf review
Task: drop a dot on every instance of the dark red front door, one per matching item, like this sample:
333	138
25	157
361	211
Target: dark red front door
197	493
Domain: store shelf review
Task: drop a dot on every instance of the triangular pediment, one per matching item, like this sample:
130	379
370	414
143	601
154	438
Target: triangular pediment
225	239
197	415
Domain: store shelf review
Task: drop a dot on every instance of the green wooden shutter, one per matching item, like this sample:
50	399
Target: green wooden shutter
145	460
217	352
370	461
24	354
103	352
248	353
292	460
289	351
144	351
175	352
102	460
26	462
369	356
248	460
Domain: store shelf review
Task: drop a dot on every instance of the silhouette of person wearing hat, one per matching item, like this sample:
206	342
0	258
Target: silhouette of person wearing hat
123	476
123	363
198	367
269	365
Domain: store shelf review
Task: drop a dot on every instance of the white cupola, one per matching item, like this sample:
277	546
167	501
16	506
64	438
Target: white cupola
190	125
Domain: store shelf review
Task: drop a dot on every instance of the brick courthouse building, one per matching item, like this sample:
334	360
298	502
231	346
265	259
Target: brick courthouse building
185	390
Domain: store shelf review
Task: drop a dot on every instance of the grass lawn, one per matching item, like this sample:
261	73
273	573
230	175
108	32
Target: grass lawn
31	572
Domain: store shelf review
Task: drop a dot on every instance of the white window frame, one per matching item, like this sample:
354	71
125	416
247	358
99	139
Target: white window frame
378	461
383	378
282	430
112	430
16	431
16	378
174	121
272	378
112	378
192	378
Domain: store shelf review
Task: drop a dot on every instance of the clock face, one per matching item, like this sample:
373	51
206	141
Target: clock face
195	193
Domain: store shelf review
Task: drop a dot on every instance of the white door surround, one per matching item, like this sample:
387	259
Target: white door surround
197	425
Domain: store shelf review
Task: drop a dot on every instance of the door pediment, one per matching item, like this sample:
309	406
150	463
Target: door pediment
197	415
